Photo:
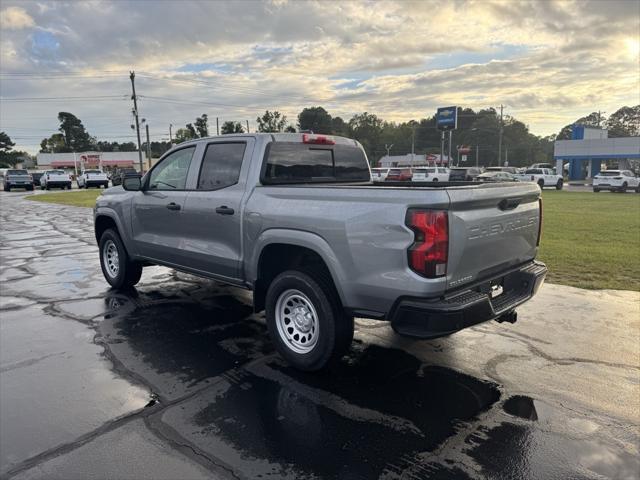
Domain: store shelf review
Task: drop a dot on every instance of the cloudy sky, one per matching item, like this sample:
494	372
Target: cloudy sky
547	62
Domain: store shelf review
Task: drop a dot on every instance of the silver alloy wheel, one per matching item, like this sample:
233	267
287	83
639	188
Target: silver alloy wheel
297	321
110	258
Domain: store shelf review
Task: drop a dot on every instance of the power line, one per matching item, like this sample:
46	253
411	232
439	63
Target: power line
75	98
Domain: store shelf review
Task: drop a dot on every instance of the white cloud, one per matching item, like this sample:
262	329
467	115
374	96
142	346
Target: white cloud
549	62
15	18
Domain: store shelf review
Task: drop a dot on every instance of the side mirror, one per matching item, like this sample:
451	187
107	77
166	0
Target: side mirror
132	183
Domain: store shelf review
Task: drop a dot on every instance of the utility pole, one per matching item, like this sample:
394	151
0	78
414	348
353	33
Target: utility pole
477	148
413	143
247	126
506	156
132	76
500	137
148	146
217	127
450	141
170	135
441	146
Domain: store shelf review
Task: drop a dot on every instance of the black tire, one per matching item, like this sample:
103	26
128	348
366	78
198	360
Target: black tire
638	189
623	188
596	190
541	184
435	179
7	188
47	187
30	188
334	326
128	272
559	184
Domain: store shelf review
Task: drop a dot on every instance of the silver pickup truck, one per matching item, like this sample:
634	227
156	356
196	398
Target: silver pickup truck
296	219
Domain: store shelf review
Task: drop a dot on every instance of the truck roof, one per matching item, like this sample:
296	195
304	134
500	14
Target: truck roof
284	137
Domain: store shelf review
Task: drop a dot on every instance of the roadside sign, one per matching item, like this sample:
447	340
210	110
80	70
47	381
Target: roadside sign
447	118
464	158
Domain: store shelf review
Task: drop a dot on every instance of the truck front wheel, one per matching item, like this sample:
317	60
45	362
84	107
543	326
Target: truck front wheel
306	321
120	271
559	184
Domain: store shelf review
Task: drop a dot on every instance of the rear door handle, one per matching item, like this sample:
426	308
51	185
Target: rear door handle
224	210
173	206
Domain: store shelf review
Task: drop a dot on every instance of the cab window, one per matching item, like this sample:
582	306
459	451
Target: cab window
171	173
221	165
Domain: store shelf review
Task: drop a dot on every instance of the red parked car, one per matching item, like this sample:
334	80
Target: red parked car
399	175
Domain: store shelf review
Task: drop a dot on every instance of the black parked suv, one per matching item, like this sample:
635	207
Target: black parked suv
116	177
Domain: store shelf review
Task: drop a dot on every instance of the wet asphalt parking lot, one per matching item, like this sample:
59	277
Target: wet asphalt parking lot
178	379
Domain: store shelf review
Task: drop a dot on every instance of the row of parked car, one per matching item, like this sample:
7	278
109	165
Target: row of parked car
545	177
56	178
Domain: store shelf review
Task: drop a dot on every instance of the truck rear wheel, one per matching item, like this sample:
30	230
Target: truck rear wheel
559	184
306	321
541	184
117	268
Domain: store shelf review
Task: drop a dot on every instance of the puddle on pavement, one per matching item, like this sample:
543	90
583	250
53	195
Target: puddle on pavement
371	415
176	344
525	451
521	406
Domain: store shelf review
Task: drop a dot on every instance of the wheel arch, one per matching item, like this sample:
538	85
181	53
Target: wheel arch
282	250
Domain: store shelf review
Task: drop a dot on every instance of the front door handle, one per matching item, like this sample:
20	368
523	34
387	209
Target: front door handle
173	206
224	210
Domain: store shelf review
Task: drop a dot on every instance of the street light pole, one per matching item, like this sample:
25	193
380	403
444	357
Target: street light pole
500	137
170	135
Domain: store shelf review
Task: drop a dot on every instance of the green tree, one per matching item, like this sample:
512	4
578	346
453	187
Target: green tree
5	143
271	122
339	126
184	134
231	127
367	128
624	122
202	125
54	144
316	119
76	138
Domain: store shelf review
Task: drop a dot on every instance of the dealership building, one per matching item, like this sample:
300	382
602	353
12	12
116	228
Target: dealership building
589	147
83	160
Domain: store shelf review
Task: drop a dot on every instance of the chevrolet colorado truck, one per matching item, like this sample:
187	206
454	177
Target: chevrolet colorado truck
16	178
296	219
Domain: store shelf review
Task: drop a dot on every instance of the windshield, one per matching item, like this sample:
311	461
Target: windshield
610	173
17	172
534	171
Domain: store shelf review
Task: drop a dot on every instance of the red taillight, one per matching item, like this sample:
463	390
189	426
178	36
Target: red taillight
318	139
539	222
430	251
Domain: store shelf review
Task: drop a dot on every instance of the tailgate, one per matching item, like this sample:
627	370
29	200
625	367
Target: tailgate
491	228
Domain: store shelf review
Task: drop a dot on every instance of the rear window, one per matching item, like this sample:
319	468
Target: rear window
610	173
288	162
92	171
17	172
533	171
55	172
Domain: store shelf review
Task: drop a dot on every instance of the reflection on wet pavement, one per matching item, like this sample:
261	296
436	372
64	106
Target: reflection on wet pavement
183	365
373	414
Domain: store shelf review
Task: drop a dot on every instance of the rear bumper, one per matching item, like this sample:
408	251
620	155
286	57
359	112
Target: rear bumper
432	318
96	183
58	184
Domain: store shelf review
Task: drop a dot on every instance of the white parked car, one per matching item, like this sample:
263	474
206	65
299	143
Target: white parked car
55	179
379	174
544	177
430	174
616	181
93	178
